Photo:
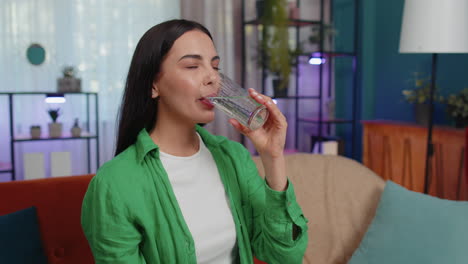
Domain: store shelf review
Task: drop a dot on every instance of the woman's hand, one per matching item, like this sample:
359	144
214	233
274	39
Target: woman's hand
269	141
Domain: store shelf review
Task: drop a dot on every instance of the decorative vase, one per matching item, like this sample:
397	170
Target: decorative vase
55	130
76	130
259	5
69	85
421	114
330	108
277	92
293	10
35	132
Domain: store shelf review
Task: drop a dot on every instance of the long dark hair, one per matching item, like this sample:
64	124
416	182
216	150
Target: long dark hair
138	110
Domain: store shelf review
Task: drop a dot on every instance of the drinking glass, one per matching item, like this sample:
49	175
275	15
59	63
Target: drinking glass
236	102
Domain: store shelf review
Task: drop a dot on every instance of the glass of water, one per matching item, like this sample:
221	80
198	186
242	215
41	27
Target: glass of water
236	102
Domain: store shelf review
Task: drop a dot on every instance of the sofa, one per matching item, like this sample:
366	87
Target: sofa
338	196
357	218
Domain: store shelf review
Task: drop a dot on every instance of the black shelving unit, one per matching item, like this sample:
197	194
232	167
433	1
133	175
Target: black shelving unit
85	135
318	120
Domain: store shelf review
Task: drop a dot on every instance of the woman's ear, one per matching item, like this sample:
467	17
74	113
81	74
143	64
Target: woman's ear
154	91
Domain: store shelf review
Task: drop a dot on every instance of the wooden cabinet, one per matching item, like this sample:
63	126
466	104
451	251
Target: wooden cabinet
397	151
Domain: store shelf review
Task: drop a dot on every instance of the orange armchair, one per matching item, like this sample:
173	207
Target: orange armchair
58	202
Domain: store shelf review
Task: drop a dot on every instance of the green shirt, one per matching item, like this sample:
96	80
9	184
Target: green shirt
130	213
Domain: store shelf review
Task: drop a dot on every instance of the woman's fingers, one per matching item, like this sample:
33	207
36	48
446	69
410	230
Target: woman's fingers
268	102
241	128
261	99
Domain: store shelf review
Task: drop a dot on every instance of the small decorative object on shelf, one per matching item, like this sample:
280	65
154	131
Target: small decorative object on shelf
328	31
76	130
259	7
55	128
419	96
69	83
279	91
457	108
293	10
330	106
35	131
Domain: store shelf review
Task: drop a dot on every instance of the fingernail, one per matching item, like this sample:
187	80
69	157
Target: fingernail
254	93
269	102
259	97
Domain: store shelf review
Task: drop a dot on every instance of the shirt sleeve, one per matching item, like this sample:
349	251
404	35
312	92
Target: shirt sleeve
278	226
112	236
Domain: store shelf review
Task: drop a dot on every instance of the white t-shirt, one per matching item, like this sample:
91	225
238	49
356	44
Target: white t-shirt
202	199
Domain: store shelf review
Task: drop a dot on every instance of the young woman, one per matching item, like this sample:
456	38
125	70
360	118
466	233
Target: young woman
174	193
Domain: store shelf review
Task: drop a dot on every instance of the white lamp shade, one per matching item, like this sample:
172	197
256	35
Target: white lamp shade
434	26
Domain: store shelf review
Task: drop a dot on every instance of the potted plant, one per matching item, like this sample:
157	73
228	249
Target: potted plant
274	45
419	95
457	108
55	128
76	130
35	131
69	83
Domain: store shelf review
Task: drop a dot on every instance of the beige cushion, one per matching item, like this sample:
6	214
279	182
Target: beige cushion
338	196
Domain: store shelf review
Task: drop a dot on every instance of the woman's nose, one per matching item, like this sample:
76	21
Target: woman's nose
211	78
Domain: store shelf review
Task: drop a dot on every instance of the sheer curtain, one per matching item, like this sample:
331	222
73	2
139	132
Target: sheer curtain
219	18
96	36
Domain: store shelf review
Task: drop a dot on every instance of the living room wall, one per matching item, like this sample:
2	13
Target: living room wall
384	72
393	71
98	38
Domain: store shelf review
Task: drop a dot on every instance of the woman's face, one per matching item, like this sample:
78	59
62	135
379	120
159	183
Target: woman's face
189	74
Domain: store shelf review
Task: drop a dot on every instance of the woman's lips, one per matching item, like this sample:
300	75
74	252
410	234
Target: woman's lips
206	103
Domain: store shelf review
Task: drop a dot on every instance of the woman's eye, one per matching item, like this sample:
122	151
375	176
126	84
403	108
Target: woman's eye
192	67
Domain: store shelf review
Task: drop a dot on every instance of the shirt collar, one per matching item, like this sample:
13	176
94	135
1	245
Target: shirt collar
145	144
